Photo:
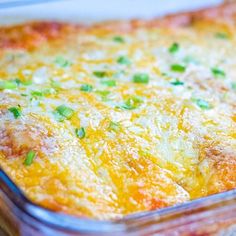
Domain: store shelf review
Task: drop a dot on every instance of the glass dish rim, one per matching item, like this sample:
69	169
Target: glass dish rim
129	223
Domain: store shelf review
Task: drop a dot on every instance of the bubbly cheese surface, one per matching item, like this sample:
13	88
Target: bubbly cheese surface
103	122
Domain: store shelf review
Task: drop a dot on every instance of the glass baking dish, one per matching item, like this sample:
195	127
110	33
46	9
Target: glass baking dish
212	215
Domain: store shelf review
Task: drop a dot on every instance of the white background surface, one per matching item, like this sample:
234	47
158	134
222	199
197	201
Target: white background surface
98	10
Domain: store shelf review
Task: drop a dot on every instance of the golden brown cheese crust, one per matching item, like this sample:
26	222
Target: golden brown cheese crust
124	146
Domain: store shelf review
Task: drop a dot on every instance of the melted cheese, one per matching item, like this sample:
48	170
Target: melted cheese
175	143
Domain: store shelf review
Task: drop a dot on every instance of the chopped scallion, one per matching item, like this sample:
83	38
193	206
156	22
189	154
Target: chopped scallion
86	87
118	39
178	68
132	103
37	94
174	48
55	84
114	126
109	83
203	104
8	84
29	158
80	133
217	72
104	94
100	74
63	112
177	82
141	78
62	62
221	35
233	85
123	60
16	111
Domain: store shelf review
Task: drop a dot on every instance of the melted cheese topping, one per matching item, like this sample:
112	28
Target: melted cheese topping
148	116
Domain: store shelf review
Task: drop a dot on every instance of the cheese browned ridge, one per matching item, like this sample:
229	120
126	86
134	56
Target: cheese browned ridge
120	117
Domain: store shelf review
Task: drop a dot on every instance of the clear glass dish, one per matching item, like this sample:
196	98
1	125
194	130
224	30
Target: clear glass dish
212	215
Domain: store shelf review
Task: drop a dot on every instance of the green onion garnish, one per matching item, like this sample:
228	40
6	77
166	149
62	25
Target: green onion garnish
18	81
114	126
174	48
233	85
221	35
29	158
80	133
26	82
141	78
23	82
55	84
118	39
100	74
37	94
132	103
123	60
8	84
62	62
218	72
178	68
48	91
63	112
109	83
86	87
104	94
203	104
177	82
16	111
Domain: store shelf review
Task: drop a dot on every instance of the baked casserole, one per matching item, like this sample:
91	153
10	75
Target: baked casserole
106	120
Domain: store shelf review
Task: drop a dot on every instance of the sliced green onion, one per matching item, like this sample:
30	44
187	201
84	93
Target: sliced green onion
114	126
174	48
29	158
178	68
8	84
118	39
217	72
55	84
62	62
37	94
63	112
177	82
80	133
100	74
233	85
132	103
203	104
109	83
26	82
221	35
141	78
18	81
86	87
123	60
48	91
104	94
16	111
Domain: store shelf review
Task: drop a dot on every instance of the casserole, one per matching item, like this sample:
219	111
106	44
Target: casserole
222	177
